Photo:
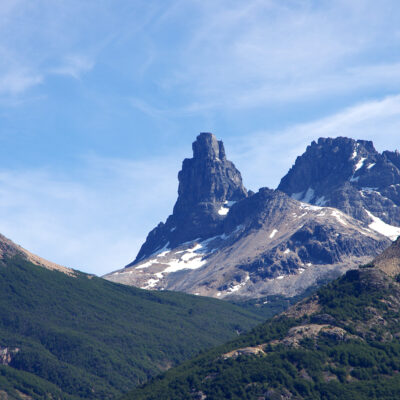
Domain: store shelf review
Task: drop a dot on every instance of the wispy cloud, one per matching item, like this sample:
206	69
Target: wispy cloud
18	81
259	52
95	221
74	66
41	40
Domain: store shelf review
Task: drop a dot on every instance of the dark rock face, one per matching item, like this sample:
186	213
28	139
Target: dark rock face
267	244
222	241
349	175
208	185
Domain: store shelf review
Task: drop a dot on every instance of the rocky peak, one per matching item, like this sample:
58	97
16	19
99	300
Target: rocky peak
326	163
208	185
207	146
349	175
208	176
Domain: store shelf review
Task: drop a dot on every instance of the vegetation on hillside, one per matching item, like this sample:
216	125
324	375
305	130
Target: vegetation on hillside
84	337
341	343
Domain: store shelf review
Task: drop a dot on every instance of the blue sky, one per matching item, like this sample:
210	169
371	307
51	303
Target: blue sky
100	101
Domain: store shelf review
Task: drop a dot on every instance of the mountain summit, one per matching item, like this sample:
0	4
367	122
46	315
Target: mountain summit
352	176
208	185
222	242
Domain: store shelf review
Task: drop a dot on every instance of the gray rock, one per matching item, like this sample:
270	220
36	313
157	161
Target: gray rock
223	242
208	185
349	175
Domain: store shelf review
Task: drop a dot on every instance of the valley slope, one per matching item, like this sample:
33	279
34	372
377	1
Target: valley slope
74	336
343	343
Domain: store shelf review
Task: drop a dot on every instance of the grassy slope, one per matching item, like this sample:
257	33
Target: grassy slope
89	338
362	364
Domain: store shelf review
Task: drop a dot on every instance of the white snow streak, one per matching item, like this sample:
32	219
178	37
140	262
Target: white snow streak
223	210
309	195
321	201
390	231
339	217
360	163
273	233
238	286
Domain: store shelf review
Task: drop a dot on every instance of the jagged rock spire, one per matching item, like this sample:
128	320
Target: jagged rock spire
208	183
208	176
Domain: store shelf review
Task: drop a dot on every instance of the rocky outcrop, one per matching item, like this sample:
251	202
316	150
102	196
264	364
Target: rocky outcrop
208	185
352	176
389	260
268	244
7	355
328	216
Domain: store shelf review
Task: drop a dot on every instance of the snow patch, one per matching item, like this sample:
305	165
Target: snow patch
287	251
280	277
305	206
369	189
360	163
147	264
390	231
321	201
371	165
223	210
225	207
297	196
150	283
178	265
309	195
160	251
237	287
339	217
273	233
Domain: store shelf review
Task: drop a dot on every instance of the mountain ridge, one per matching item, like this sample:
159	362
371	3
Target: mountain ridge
349	175
208	185
224	242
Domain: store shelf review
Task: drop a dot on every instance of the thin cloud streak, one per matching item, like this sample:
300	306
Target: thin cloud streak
97	224
256	53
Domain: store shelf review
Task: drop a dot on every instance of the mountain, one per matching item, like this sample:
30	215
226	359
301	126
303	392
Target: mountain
75	336
343	342
224	242
208	185
351	176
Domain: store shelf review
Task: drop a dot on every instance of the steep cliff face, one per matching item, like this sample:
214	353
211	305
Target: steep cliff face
352	176
208	185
